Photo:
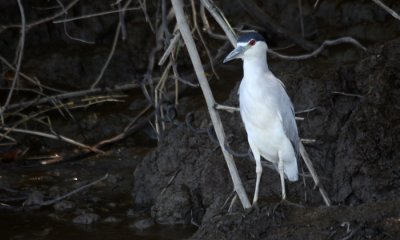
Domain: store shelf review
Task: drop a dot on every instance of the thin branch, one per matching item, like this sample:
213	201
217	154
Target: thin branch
121	16
131	128
143	6
207	27
229	109
307	110
41	21
110	55
196	27
70	95
95	15
319	50
221	20
114	45
316	3
33	81
66	29
387	9
51	136
347	94
20	54
215	118
171	46
314	175
50	202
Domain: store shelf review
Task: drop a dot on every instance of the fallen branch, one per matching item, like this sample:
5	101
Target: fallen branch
215	118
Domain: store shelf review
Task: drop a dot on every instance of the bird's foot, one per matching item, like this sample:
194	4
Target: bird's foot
279	209
285	202
253	209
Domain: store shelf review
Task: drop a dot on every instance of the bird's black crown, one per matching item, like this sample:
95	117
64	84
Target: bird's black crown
247	36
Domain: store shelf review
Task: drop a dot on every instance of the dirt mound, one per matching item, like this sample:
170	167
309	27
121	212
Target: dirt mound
352	113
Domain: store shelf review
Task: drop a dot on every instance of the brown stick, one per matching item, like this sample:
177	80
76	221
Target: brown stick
215	118
314	175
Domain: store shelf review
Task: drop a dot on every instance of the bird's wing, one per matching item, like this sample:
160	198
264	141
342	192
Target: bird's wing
287	117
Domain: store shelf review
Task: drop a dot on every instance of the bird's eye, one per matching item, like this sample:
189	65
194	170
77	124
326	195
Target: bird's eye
252	42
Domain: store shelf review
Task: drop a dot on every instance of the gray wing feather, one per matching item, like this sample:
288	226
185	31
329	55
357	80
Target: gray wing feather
288	118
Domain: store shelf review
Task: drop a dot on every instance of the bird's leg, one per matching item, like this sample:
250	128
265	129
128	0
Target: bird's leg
259	173
257	158
282	174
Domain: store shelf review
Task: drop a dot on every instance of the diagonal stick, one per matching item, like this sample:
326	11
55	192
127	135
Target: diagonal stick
215	118
314	175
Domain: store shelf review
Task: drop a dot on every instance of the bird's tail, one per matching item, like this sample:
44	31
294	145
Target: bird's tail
291	170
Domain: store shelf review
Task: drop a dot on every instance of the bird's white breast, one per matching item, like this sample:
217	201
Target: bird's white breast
259	103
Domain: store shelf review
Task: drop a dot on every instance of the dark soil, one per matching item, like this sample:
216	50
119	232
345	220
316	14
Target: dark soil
356	127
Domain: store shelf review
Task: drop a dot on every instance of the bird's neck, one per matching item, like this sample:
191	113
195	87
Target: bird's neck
255	66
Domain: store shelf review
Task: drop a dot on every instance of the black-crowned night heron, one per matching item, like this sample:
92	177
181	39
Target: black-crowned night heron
266	111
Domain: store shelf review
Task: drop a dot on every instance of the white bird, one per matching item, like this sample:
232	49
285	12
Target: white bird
266	111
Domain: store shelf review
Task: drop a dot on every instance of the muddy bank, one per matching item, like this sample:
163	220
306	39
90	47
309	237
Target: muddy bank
353	114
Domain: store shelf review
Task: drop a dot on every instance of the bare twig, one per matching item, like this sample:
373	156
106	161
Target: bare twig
114	45
51	136
50	202
207	27
307	110
171	46
319	50
131	128
387	9
143	6
227	108
196	27
70	95
215	118
314	175
221	20
24	76
41	21
95	15
20	52
121	16
316	3
110	55
158	96
66	28
348	94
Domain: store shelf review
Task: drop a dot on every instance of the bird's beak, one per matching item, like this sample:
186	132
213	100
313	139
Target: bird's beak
236	53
